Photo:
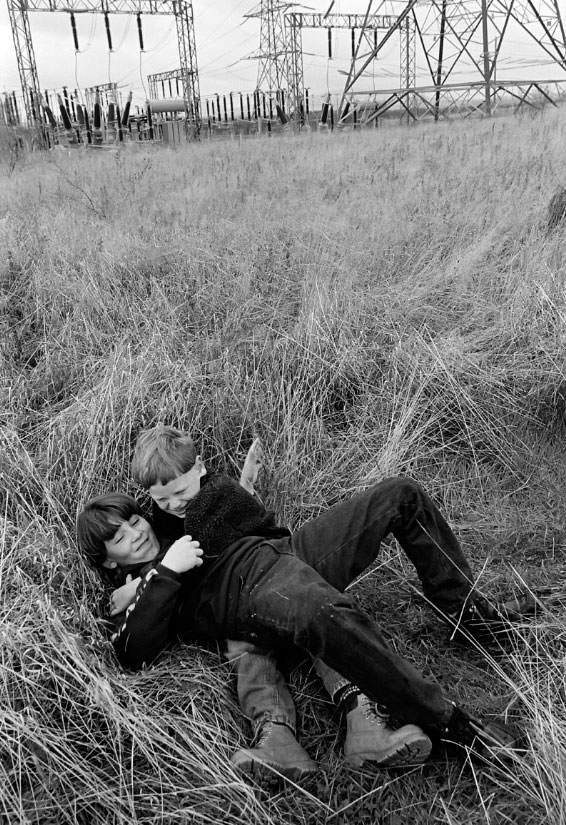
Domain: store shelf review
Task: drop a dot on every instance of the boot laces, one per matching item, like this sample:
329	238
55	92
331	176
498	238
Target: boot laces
372	711
263	734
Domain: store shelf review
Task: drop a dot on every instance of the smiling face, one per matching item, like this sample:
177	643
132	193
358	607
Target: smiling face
174	496
133	542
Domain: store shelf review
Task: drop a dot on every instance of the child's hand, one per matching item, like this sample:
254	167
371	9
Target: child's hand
183	555
252	465
122	597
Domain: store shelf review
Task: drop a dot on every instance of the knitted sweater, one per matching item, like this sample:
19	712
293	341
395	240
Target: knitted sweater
223	512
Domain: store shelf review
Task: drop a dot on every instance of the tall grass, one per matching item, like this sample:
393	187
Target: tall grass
369	304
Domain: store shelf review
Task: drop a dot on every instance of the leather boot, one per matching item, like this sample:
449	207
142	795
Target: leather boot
370	739
276	750
480	623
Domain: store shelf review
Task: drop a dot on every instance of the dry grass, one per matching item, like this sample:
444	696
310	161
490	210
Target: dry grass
368	304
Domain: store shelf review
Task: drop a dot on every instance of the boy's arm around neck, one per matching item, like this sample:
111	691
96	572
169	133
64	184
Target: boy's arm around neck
143	631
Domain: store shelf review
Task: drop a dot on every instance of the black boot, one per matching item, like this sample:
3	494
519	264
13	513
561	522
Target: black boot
485	738
491	626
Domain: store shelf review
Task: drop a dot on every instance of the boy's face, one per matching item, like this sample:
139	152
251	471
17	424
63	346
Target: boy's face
174	496
133	542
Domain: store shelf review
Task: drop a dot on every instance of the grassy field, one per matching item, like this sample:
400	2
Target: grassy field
369	304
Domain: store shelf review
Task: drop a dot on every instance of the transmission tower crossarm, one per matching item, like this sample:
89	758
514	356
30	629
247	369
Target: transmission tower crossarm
345	21
166	7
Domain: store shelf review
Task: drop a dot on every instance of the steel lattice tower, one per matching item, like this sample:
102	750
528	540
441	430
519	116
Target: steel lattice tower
273	68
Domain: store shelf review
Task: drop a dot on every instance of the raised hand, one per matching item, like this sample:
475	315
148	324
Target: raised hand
252	465
183	555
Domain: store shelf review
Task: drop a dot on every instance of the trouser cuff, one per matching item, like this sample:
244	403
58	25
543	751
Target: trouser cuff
277	718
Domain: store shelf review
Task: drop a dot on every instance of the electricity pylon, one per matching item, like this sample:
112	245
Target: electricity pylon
273	55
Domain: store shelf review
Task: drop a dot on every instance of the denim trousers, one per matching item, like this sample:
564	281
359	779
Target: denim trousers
262	691
298	597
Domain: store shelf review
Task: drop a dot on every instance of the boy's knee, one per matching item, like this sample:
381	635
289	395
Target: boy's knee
398	489
236	649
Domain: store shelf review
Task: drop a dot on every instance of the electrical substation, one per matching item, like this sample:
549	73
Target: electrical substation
456	58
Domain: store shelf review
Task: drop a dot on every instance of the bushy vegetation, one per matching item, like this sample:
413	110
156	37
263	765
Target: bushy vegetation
369	304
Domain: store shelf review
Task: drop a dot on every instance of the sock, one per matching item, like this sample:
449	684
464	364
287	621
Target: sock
347	697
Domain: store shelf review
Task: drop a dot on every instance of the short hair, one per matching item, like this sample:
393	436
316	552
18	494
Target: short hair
98	521
162	454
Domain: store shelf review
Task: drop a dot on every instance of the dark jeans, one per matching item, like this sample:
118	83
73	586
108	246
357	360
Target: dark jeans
298	598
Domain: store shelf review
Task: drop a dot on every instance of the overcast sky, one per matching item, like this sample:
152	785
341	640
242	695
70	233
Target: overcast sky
225	40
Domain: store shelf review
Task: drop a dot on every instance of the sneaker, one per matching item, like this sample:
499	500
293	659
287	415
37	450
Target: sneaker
485	738
481	623
370	739
276	751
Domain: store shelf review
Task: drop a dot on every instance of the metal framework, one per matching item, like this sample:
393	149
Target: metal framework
109	90
457	39
160	79
181	9
273	54
368	25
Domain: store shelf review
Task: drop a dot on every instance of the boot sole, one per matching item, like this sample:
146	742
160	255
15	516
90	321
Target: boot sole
263	771
406	754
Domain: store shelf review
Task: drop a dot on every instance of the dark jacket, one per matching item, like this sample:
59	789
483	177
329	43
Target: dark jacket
230	525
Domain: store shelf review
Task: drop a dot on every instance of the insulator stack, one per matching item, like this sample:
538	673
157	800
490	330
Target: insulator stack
49	113
74	28
64	113
97	119
126	113
108	33
140	32
87	127
150	122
